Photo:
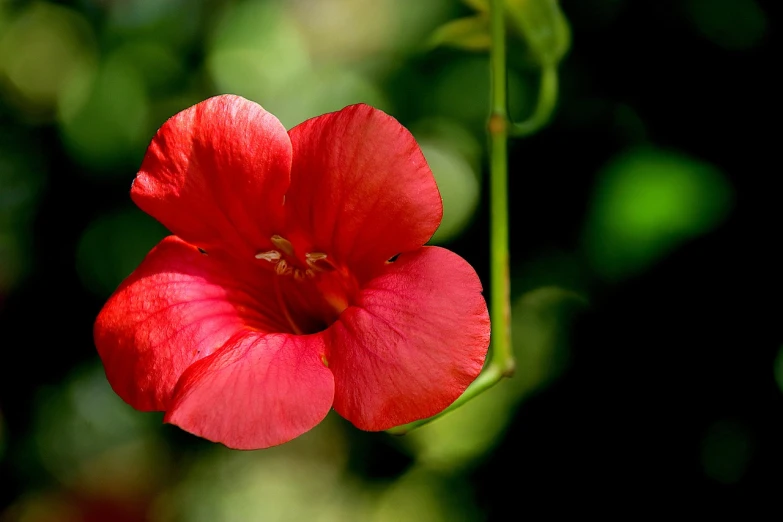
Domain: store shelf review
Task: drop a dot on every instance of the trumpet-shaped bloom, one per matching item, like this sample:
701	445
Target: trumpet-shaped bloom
295	280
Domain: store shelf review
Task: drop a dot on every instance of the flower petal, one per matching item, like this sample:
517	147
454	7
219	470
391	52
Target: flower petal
361	189
258	391
416	339
177	307
216	174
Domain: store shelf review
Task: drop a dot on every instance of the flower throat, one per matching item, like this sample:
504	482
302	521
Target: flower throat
312	292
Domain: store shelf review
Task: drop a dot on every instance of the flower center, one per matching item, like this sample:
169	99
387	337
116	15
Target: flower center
312	290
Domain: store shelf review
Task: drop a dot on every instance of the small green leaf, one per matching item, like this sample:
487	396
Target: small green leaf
464	33
543	26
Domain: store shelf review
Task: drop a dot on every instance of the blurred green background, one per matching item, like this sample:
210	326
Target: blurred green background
645	278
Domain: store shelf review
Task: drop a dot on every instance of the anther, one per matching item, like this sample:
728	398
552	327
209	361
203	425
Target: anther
273	256
318	262
282	268
283	244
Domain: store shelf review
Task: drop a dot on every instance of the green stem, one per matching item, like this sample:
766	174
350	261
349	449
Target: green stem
547	97
501	358
499	283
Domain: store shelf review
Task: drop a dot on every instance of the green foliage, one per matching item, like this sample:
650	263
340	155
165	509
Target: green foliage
540	23
543	26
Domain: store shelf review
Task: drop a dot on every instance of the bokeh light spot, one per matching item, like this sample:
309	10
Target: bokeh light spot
646	202
541	321
112	247
104	116
458	184
257	51
726	450
323	91
422	495
732	24
40	51
157	64
345	31
304	479
85	433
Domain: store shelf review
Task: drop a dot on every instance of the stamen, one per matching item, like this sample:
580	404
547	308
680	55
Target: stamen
282	268
273	256
318	262
301	275
283	244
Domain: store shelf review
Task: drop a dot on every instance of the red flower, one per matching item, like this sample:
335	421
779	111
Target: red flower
281	294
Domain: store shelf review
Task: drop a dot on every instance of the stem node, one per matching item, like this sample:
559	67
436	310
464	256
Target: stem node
498	125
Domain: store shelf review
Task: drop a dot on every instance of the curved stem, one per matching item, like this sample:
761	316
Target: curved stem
501	358
545	105
490	376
